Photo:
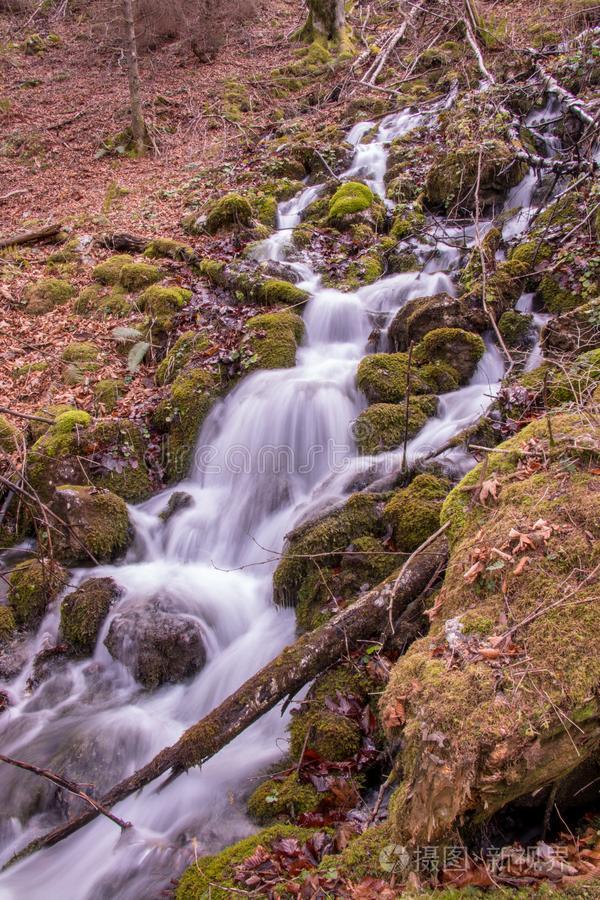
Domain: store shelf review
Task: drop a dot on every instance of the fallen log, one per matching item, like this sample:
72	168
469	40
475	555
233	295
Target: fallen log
380	612
572	103
31	237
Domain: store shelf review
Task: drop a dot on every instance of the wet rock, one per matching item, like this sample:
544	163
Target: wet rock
47	662
96	525
32	586
263	283
83	612
574	331
177	501
424	314
13	655
156	646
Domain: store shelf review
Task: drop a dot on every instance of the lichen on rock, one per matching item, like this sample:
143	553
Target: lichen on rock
96	525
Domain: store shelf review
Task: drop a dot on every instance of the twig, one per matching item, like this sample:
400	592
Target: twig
70	786
12	412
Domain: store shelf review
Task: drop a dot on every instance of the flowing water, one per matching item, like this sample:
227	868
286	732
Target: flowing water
277	448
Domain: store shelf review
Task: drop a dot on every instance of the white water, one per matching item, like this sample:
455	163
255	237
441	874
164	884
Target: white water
277	447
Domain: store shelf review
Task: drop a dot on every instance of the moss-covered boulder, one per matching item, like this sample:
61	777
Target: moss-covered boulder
383	378
32	586
108	453
349	201
107	393
180	415
186	347
334	737
522	626
557	295
516	328
160	302
282	799
80	352
167	248
96	525
109	271
413	513
50	412
454	346
8	623
9	436
452	179
273	339
231	211
156	646
333	532
46	294
264	284
422	314
574	331
409	220
384	426
135	276
214	876
83	611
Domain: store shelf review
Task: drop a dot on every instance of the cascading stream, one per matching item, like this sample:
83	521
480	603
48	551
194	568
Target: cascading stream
278	447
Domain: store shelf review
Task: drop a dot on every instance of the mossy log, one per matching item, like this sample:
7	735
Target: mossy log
389	609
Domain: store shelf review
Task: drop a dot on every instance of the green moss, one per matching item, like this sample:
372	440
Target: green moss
275	292
285	799
181	414
274	338
97	522
231	211
383	426
334	532
117	303
80	351
361	859
23	371
557	298
382	377
452	178
46	294
179	356
440	376
83	611
407	222
69	421
88	300
515	328
367	269
166	248
458	348
9	436
32	586
349	199
108	392
413	513
163	301
136	276
213	876
109	272
531	253
37	429
335	738
7	623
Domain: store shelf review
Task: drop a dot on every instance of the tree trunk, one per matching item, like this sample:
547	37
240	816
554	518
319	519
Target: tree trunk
138	126
392	609
326	20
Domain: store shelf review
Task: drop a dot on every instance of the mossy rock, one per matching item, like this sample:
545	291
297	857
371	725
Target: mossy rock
109	271
336	738
117	303
214	876
440	376
575	331
167	248
454	346
180	355
32	586
522	745
97	525
423	314
70	421
280	800
52	412
383	426
8	623
452	178
46	294
88	300
135	276
333	532
258	283
180	416
108	392
413	513
383	378
516	329
362	858
80	351
354	201
108	453
84	610
231	211
556	297
274	339
408	221
159	301
9	436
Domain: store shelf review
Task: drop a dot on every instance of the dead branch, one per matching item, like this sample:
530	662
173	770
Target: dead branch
71	786
472	42
575	106
31	237
12	412
295	666
371	74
